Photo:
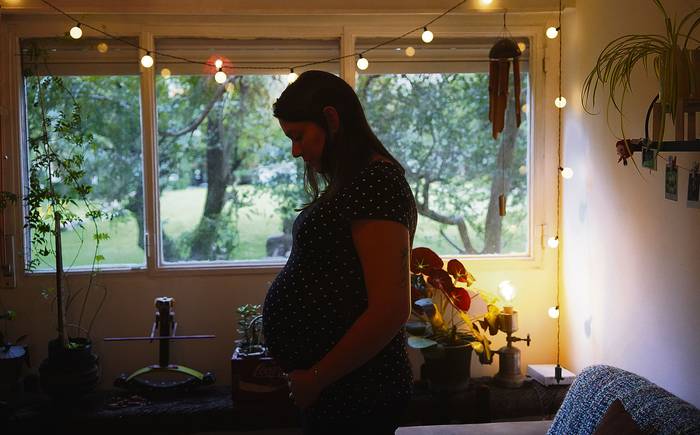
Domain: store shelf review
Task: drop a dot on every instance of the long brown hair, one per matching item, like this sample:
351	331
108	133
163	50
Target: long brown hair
347	151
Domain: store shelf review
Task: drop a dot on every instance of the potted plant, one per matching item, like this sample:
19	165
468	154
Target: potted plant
441	326
12	357
57	200
672	59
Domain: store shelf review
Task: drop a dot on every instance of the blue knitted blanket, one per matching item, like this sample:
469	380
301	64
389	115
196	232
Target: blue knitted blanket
655	410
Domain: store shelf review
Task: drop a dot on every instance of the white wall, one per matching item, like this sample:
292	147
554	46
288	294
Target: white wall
632	276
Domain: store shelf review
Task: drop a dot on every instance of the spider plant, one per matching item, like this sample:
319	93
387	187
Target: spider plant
669	54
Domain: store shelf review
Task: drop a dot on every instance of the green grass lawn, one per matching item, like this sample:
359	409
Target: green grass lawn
181	211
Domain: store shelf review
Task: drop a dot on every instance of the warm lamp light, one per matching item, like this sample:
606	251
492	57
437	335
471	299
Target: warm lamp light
553	312
522	47
76	32
552	32
220	76
508	292
165	73
410	51
486	2
567	172
553	242
292	76
218	63
560	102
427	35
362	63
102	47
147	60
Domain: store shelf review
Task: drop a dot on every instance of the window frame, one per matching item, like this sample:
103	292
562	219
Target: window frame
541	200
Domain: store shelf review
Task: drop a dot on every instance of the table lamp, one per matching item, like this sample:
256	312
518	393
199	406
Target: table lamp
509	374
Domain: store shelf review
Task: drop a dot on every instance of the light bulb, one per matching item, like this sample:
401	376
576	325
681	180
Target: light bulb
553	242
292	76
76	32
147	60
486	2
410	51
362	63
522	46
522	170
553	312
552	32
525	108
427	35
567	172
165	73
560	102
507	291
218	63
102	47
220	76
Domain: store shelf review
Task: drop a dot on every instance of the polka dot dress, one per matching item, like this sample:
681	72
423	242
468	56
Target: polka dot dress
320	293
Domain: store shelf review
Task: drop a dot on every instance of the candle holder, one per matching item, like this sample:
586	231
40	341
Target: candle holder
509	374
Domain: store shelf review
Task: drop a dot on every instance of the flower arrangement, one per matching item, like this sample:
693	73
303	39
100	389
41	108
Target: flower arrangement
441	300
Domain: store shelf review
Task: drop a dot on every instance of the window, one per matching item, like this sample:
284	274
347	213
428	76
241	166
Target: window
106	87
228	184
431	111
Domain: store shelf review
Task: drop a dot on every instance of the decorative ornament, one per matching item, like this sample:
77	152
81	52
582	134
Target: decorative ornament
504	52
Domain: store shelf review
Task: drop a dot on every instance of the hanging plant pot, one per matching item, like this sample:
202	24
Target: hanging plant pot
447	368
69	372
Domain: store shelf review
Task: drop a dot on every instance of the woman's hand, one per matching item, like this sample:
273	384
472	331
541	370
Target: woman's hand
304	387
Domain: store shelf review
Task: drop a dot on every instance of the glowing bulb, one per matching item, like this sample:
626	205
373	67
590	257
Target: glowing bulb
102	47
218	63
525	108
165	73
522	170
522	47
410	51
560	102
553	242
486	2
362	63
553	312
507	291
552	32
567	173
220	76
292	76
427	35
76	32
147	60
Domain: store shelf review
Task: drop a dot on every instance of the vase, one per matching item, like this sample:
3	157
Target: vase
448	368
11	362
69	372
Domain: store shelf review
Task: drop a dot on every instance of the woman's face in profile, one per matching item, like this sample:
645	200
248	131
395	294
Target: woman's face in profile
308	141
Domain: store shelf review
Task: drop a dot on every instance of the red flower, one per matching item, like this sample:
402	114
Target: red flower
457	269
424	259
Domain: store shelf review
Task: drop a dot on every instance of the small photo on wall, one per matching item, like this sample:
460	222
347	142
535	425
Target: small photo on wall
671	179
649	158
694	188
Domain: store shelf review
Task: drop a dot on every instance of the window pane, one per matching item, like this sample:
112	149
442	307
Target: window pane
106	90
229	186
437	125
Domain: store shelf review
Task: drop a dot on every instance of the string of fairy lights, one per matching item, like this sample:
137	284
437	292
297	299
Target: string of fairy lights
362	63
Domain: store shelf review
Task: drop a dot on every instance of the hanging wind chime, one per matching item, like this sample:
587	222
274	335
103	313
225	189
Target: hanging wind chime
504	52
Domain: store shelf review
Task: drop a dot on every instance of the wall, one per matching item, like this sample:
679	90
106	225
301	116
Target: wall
632	281
206	302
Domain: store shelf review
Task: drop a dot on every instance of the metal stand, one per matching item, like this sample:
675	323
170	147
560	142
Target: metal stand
509	374
167	327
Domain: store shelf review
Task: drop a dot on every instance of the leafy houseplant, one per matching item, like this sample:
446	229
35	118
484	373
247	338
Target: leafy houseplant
248	329
441	325
670	55
57	199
